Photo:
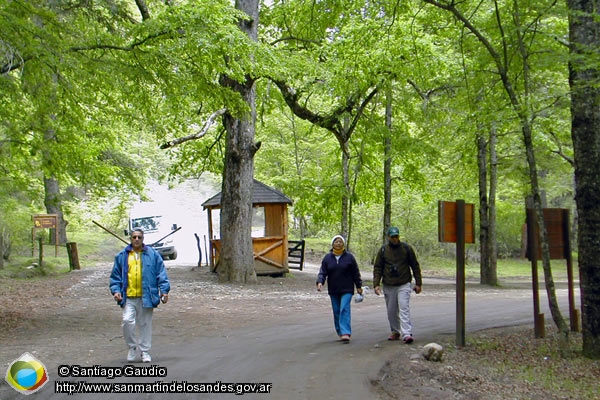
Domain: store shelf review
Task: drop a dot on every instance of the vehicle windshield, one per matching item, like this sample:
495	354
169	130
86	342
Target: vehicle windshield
148	224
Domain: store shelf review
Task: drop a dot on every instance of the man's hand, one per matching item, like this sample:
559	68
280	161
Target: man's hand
117	296
377	290
319	286
359	291
417	289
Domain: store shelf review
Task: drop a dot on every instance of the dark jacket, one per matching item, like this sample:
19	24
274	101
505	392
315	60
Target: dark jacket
342	275
394	264
154	276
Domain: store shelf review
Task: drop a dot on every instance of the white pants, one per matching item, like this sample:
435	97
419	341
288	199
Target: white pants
136	315
397	301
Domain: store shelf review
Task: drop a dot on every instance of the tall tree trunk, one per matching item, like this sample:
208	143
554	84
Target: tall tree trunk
584	35
523	110
487	212
484	223
492	275
557	317
345	222
298	167
387	164
52	196
2	249
357	169
237	258
53	203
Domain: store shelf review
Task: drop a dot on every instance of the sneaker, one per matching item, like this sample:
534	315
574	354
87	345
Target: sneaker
146	357
407	339
131	354
394	336
345	338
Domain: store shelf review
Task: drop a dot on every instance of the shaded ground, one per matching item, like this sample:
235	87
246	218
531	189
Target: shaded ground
73	317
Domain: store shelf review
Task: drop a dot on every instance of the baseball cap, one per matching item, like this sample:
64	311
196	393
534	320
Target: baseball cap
393	231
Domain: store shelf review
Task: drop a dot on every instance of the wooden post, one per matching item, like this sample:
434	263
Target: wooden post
199	249
73	256
40	253
456	224
532	235
460	273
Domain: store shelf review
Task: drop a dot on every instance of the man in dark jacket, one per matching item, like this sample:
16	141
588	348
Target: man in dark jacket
393	266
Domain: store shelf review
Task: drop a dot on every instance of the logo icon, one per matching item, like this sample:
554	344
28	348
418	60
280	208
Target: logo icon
26	374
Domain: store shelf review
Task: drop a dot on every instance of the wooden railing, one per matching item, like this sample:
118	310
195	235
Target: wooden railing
296	254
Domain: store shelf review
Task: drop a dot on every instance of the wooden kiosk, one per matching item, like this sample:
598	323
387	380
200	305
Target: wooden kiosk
269	230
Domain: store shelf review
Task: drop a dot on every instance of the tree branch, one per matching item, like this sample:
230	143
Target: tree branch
143	7
560	151
131	47
202	132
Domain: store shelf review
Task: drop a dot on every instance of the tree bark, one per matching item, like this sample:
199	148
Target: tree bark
237	258
52	195
345	222
484	223
584	35
492	275
387	165
487	235
53	203
1	250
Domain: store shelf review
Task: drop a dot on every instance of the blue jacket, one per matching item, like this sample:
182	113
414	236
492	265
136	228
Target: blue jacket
342	275
155	281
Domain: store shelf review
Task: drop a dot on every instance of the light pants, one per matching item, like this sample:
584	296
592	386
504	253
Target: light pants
397	299
136	315
340	303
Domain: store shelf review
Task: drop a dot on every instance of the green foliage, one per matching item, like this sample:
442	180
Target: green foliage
93	90
16	223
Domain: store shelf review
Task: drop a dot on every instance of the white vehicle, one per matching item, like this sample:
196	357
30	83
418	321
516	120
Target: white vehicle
157	233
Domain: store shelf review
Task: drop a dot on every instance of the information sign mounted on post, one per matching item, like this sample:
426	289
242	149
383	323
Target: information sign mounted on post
457	225
45	221
556	221
448	221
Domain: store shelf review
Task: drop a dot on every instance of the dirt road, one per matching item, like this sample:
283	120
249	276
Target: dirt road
278	332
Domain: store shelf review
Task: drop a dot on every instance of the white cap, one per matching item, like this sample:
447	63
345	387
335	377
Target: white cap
338	236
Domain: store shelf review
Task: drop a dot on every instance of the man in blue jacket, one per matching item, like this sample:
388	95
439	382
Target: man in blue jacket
138	283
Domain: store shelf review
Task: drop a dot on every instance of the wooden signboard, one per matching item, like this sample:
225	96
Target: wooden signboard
45	221
556	221
447	222
457	225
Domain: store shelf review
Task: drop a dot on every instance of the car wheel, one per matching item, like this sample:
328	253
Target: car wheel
173	256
